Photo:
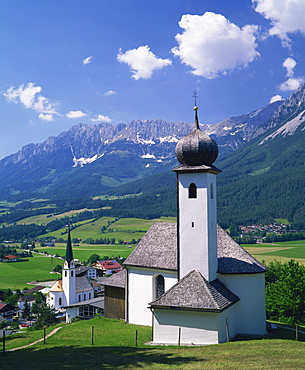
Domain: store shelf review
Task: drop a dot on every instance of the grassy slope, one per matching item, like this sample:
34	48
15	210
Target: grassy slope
114	348
17	274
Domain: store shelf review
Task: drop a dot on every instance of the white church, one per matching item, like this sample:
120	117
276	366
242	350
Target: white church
72	295
191	281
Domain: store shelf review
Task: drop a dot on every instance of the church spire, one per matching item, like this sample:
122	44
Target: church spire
69	252
196	124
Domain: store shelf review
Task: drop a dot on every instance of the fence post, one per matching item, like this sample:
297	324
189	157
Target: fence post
44	335
296	332
136	340
3	341
179	337
227	332
92	335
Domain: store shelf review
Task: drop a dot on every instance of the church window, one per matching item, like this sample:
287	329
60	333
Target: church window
71	273
159	285
60	301
79	298
192	190
193	224
65	273
84	296
212	191
89	295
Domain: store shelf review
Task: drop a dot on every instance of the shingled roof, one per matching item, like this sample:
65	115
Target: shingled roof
233	259
158	249
116	280
82	284
193	291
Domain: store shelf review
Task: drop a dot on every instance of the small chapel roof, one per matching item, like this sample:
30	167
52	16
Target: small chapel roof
158	249
193	291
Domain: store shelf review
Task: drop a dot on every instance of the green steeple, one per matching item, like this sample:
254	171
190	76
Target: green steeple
69	253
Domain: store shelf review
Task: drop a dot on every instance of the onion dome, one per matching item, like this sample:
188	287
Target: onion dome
196	148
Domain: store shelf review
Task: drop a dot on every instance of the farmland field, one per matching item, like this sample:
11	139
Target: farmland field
280	251
17	274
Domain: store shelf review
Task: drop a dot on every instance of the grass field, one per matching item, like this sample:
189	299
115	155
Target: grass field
114	348
283	251
17	274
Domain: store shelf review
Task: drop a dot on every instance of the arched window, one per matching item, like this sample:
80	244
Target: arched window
71	273
192	190
60	301
159	286
65	273
212	191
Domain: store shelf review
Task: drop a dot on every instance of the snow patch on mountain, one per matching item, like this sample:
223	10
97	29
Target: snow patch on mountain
288	129
147	155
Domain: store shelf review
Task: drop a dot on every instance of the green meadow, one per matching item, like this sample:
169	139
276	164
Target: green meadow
114	347
280	251
125	229
15	275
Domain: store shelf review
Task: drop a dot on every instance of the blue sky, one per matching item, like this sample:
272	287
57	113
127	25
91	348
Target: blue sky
68	61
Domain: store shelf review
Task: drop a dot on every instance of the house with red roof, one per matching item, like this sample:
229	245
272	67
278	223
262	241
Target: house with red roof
108	266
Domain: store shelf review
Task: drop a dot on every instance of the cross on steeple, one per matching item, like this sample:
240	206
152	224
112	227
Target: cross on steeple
195	96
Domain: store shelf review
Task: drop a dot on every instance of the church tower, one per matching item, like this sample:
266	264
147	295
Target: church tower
68	274
196	198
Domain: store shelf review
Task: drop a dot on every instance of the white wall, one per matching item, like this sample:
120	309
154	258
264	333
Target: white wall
196	327
141	293
198	225
70	313
251	309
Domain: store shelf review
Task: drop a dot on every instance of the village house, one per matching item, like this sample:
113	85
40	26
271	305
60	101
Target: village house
108	266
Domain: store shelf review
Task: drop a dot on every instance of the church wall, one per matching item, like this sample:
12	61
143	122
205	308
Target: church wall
251	309
141	292
53	299
227	321
196	327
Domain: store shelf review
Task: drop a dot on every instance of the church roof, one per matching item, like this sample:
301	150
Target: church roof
69	252
57	286
82	284
158	249
116	280
193	291
233	259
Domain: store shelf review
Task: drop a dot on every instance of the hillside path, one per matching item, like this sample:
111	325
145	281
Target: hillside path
37	341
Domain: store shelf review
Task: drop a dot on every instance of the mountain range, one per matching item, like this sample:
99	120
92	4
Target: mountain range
261	155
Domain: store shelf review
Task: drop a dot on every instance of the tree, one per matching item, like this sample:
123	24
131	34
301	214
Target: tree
93	258
26	312
285	292
45	315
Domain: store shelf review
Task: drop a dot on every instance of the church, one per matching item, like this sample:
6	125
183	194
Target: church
191	281
73	296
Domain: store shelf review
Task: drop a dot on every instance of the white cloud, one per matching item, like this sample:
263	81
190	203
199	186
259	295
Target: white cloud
75	114
87	60
212	45
29	96
291	84
142	62
275	98
101	118
46	117
110	92
286	16
289	64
